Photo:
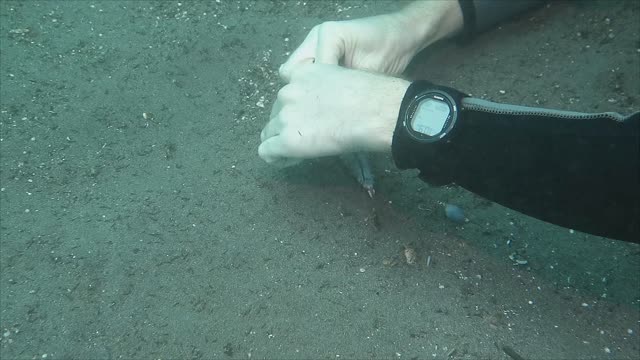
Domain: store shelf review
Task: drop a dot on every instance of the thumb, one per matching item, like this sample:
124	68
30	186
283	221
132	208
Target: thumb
287	72
305	51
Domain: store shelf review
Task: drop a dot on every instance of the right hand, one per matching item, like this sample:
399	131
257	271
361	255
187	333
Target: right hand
328	110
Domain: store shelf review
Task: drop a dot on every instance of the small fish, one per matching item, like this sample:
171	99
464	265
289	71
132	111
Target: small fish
359	166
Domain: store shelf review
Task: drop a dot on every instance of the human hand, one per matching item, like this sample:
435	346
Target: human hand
329	110
384	44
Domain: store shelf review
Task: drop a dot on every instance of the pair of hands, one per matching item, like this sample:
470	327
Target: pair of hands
327	109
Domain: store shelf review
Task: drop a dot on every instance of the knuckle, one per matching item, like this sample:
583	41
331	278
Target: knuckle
264	154
327	28
286	118
286	93
283	70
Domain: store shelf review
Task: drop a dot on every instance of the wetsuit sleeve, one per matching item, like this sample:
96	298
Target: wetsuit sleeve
580	174
481	15
576	170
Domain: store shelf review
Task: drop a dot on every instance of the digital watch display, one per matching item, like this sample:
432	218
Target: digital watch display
430	116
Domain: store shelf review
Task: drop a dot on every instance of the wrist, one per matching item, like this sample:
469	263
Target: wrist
430	21
379	133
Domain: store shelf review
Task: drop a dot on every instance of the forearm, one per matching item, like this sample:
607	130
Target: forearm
488	13
430	21
581	173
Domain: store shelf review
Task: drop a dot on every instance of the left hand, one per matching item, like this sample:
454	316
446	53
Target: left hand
329	110
382	44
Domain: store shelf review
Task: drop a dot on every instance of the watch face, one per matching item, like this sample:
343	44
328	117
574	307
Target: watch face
430	117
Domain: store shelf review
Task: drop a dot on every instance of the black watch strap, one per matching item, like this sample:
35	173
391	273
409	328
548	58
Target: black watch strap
410	154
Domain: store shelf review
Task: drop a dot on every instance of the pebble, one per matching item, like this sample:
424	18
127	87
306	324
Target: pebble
454	213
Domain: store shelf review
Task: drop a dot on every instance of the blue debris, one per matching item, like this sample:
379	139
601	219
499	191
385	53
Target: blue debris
454	213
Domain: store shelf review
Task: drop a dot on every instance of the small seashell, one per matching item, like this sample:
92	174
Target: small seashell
518	259
410	255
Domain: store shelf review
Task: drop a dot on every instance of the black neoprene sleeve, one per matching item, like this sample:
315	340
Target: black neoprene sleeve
583	174
481	15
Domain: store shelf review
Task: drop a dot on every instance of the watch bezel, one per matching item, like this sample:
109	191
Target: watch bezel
413	106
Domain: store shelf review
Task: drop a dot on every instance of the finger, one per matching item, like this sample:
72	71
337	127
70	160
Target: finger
278	147
272	151
330	45
329	52
305	51
282	163
289	73
275	110
272	129
274	125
